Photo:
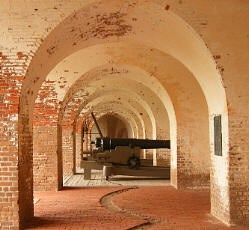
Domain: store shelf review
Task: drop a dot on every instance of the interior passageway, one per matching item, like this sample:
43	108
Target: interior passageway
123	208
170	72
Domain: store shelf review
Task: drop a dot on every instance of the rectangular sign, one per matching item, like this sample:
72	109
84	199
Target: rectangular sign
217	136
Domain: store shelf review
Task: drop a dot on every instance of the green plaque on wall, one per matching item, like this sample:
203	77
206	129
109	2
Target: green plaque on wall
217	136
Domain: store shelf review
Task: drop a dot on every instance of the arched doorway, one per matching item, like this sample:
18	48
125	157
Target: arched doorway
165	45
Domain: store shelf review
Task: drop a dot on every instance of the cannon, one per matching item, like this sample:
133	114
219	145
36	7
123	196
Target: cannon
107	143
125	151
113	155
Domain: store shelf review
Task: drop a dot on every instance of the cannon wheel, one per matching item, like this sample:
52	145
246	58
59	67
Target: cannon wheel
133	162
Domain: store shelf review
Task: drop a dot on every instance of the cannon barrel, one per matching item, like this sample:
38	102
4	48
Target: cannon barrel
107	143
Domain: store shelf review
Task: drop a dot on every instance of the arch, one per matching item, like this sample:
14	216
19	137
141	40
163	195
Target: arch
86	117
126	111
93	82
114	125
116	97
171	30
96	82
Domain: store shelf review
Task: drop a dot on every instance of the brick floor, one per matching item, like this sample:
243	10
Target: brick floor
171	208
77	209
155	207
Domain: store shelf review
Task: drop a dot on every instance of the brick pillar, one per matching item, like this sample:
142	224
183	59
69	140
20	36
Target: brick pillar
9	209
239	171
45	158
190	173
25	172
78	148
60	159
12	163
239	163
229	177
219	188
191	164
68	154
163	157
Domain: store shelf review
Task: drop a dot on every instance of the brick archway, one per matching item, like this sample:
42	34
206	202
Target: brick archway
209	81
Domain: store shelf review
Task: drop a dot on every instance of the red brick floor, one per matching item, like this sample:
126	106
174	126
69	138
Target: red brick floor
155	207
171	208
77	209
